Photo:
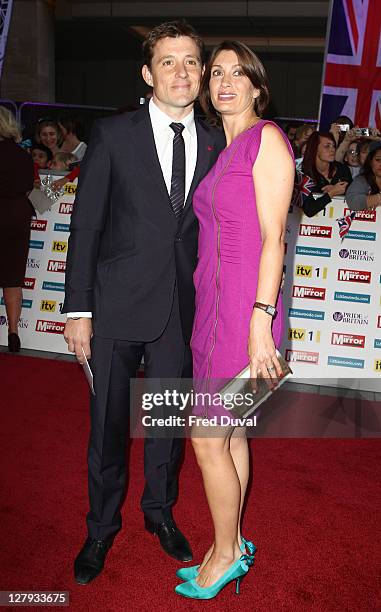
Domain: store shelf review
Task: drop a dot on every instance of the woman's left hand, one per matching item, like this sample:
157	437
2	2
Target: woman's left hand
262	353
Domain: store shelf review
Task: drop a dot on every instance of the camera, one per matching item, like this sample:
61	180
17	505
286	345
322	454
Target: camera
362	131
344	127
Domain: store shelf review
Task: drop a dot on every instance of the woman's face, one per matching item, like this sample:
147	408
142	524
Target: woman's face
376	164
231	91
326	150
352	155
49	137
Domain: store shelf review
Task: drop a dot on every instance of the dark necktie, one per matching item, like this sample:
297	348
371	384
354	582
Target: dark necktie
177	194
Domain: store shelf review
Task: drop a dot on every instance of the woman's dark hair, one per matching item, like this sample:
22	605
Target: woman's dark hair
309	159
251	66
170	29
72	124
368	173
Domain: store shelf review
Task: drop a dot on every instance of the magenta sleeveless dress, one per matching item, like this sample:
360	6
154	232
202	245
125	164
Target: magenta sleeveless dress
227	272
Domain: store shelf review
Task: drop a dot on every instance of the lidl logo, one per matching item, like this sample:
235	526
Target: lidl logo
48	305
319	231
344	296
59	246
345	362
312	251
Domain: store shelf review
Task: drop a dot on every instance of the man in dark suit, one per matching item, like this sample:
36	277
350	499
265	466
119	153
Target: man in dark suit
129	287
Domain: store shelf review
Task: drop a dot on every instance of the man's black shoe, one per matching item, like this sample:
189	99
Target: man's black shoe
171	539
91	559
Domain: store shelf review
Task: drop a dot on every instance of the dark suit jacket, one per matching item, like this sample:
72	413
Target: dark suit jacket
126	247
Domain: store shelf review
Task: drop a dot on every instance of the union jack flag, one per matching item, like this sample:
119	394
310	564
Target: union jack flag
345	224
303	186
352	78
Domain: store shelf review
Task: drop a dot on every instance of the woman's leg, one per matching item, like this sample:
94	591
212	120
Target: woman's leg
239	450
223	491
13	302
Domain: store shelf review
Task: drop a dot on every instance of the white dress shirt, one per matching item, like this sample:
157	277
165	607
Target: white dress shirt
163	136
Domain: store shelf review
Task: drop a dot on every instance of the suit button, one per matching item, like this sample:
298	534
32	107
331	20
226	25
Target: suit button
178	239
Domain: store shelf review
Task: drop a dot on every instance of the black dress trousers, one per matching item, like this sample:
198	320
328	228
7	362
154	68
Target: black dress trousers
113	363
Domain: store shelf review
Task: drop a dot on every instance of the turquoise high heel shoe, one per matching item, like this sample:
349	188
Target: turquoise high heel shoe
189	573
235	572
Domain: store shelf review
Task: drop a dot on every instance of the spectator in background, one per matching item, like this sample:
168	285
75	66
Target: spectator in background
365	191
16	181
49	134
41	156
290	130
329	176
63	161
363	150
302	134
71	130
351	158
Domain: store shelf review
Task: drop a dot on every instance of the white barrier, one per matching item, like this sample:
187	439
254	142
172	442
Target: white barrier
41	323
331	294
332	298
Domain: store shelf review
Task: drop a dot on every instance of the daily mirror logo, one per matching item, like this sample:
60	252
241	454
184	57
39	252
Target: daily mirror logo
363	215
319	231
354	276
66	208
50	327
56	266
38	225
302	356
354	340
312	293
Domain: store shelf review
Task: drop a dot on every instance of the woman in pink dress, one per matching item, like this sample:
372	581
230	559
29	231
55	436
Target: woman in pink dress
242	207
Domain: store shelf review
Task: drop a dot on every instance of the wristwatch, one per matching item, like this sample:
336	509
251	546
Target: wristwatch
271	310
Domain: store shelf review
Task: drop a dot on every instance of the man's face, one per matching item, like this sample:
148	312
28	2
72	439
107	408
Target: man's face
175	74
291	133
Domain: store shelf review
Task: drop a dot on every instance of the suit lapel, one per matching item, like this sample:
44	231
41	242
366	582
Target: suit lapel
145	148
205	146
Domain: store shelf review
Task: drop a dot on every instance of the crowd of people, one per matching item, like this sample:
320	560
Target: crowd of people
181	264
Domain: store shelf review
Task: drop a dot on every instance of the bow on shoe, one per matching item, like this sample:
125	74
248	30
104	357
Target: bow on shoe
249	559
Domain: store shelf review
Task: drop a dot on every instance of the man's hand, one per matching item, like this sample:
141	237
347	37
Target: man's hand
77	334
59	183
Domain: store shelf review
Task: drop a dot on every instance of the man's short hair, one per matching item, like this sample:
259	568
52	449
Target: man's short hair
170	29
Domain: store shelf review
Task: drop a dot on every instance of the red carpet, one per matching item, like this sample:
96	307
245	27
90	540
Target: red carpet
314	511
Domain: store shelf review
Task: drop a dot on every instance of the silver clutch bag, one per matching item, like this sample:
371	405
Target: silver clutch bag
238	396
